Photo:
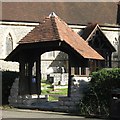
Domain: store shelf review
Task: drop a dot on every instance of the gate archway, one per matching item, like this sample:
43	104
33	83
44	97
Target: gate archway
52	34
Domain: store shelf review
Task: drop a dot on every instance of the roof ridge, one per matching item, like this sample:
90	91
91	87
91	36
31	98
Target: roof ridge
55	28
52	14
59	19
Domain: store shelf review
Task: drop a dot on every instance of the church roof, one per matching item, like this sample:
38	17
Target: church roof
71	12
55	29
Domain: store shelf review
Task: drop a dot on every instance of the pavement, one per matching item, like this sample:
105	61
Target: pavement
16	114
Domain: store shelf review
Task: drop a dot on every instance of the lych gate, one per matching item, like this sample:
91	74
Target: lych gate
52	34
30	56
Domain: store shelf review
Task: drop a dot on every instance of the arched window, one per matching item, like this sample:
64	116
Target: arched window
9	44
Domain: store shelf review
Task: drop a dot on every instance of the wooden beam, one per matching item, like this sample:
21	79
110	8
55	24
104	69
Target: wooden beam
69	77
110	62
30	76
38	75
21	76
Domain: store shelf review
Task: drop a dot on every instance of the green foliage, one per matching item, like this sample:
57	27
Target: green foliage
97	99
53	93
104	81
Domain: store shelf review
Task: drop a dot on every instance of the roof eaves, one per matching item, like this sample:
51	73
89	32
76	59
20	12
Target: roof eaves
112	47
92	33
57	27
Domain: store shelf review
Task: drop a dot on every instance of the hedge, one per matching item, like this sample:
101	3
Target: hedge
97	99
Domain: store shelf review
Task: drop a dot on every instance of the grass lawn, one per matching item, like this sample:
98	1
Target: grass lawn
53	94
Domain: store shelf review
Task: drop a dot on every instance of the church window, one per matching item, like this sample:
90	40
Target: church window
9	44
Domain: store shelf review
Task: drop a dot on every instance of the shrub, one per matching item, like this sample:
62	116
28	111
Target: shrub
97	99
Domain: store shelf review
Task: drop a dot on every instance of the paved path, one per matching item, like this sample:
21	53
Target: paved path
30	114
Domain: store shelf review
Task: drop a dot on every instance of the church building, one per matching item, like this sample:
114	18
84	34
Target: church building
56	42
102	34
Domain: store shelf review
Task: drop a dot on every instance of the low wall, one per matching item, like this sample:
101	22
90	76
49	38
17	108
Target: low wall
79	85
67	104
24	100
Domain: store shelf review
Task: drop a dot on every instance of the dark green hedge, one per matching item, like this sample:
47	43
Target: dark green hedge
98	98
7	81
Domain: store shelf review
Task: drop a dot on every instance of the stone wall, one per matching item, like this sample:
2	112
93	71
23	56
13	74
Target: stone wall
113	36
25	100
8	66
17	30
71	104
66	104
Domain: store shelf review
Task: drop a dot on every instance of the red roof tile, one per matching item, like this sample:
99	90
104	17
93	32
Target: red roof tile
54	29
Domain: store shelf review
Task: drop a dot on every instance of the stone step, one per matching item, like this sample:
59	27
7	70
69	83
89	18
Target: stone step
46	104
52	106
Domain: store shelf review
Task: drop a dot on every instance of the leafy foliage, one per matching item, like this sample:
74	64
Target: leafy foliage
97	99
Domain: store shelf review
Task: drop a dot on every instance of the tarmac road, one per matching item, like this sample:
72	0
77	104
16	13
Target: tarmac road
34	114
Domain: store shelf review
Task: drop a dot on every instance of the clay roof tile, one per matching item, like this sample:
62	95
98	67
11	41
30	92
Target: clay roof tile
53	29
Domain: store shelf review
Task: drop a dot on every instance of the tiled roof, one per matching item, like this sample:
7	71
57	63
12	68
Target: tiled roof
55	29
70	12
